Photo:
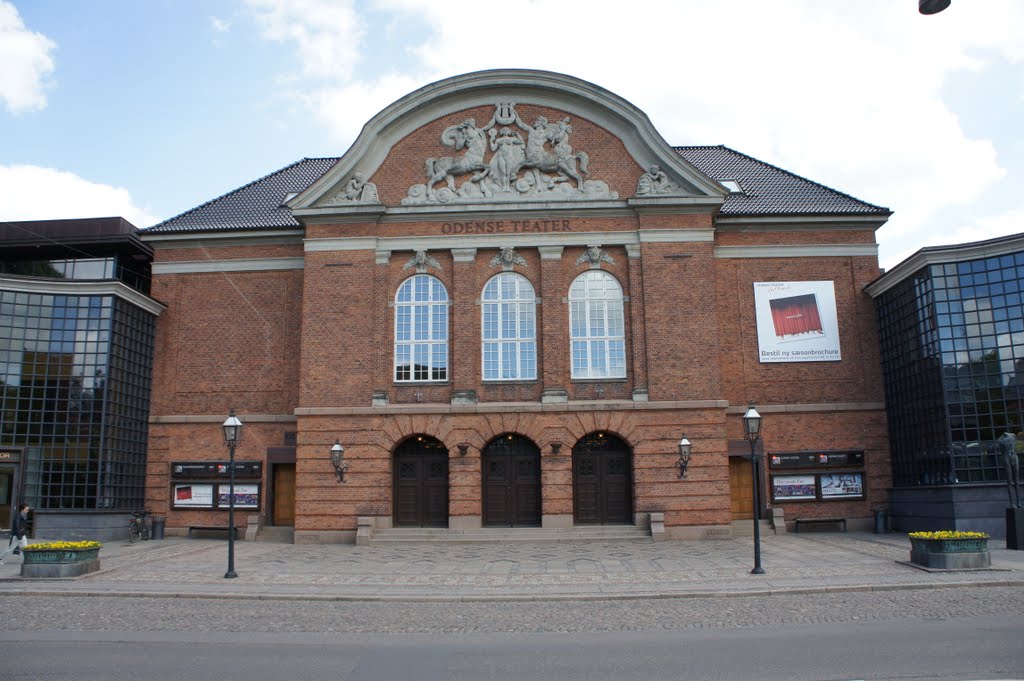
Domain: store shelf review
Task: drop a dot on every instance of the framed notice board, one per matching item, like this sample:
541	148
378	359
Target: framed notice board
816	475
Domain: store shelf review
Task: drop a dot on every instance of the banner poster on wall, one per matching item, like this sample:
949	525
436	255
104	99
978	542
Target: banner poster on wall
796	321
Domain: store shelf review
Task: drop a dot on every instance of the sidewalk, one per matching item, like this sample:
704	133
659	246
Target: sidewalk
794	563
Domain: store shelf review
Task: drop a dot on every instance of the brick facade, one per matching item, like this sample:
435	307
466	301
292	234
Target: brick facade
309	350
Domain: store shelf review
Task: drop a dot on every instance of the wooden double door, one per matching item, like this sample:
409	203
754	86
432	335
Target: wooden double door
421	483
602	481
511	483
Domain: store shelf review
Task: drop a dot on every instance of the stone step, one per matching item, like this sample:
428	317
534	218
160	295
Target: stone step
276	534
745	528
516	534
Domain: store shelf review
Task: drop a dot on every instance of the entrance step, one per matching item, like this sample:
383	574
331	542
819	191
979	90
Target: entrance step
429	535
745	528
279	534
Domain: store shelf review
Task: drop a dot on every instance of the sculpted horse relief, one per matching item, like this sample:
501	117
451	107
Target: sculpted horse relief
543	166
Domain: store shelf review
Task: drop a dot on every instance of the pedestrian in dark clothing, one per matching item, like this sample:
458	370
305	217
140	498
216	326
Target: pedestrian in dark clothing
19	532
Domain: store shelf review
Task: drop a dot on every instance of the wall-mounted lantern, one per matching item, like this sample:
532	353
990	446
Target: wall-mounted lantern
338	460
556	447
463	448
685	449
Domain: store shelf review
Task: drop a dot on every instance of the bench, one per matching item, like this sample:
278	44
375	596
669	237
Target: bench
213	528
809	521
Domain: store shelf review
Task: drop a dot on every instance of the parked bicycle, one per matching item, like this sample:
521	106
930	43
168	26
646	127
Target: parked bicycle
137	527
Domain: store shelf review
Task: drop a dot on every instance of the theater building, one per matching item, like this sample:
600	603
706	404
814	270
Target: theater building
507	302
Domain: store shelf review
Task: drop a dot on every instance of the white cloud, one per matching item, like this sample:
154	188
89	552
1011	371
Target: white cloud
220	25
25	62
847	95
35	193
326	33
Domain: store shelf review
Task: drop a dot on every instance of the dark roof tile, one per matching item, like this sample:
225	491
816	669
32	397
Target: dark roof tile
770	190
767	190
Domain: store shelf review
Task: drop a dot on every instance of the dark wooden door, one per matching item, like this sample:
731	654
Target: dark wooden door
421	483
284	494
602	481
511	483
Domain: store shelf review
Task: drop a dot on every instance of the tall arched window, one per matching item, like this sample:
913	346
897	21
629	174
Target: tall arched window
596	328
421	330
509	328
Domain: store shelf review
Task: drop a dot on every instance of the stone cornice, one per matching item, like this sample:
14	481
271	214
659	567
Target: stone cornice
798	251
78	287
234	265
216	239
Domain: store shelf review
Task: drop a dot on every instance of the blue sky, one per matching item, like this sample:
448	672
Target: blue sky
147	109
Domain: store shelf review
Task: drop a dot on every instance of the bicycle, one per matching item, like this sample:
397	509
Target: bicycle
137	527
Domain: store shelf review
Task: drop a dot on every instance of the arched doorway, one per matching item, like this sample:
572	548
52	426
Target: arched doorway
421	483
511	482
602	481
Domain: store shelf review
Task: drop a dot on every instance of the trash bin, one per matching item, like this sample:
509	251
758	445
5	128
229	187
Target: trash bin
157	531
881	521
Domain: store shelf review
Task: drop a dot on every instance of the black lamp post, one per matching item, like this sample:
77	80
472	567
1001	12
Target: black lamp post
232	435
752	432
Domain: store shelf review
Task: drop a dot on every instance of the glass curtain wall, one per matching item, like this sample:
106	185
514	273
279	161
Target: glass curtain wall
953	348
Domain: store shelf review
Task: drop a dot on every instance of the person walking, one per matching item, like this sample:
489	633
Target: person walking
19	532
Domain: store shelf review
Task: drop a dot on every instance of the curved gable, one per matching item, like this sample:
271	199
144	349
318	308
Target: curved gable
507	139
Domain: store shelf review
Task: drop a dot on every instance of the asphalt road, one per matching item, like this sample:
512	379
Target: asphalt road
965	633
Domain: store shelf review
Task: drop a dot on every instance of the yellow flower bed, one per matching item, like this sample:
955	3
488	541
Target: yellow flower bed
63	546
948	534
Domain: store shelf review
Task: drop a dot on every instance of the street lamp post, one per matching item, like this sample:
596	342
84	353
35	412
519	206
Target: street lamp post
232	435
752	432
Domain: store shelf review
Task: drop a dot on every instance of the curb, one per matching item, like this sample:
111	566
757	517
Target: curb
483	598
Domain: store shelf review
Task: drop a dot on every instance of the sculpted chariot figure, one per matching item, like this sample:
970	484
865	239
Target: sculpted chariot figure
466	136
655	181
358	189
509	155
563	161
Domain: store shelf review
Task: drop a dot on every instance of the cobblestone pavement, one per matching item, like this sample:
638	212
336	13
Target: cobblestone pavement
48	613
813	562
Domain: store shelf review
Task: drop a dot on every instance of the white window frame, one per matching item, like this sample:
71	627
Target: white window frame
429	342
513	345
597	327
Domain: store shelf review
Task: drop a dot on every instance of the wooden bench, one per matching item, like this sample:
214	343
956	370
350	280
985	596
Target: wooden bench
809	521
213	528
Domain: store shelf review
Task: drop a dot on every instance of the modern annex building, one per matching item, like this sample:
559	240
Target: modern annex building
76	348
507	303
952	327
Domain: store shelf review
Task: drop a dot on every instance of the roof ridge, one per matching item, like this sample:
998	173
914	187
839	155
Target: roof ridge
239	189
790	173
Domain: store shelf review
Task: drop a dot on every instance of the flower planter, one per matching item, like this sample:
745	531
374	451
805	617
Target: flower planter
950	554
60	562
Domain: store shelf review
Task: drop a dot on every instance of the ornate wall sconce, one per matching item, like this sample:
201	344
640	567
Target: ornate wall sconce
685	449
556	447
338	460
463	448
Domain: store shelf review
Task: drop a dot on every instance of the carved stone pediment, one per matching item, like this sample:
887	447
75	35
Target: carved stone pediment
594	255
507	258
357	190
421	261
508	161
655	182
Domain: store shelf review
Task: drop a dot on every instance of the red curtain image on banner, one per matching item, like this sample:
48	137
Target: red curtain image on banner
796	315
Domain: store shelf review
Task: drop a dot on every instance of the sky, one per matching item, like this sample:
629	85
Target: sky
148	109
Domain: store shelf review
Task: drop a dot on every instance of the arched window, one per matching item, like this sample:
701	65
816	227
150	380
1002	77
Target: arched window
509	328
596	328
421	330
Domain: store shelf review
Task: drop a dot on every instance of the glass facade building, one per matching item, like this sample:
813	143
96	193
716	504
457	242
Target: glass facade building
76	349
951	322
